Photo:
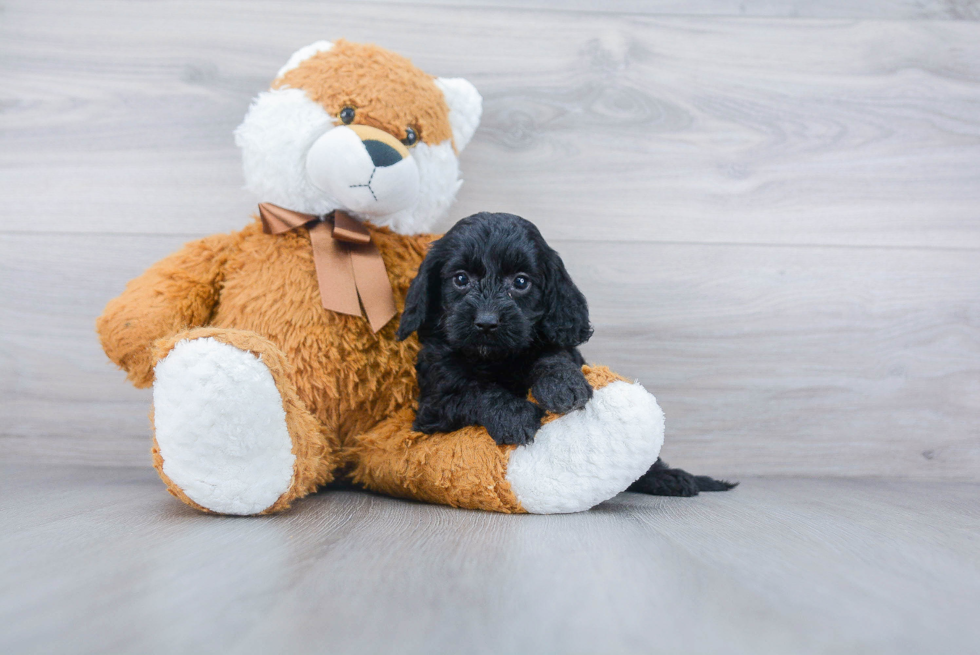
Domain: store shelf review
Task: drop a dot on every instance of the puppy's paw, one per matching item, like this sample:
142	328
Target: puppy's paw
515	424
562	391
429	421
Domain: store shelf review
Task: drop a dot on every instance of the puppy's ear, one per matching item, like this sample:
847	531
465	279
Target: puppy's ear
565	322
422	299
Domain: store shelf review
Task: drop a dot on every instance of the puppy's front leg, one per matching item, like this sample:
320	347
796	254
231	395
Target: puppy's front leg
508	418
557	382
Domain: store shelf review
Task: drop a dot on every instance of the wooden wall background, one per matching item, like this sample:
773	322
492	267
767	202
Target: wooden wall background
773	207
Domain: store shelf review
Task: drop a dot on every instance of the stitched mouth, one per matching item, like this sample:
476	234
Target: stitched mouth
367	185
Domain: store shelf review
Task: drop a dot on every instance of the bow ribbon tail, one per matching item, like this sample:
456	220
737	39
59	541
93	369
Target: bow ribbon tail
334	271
373	284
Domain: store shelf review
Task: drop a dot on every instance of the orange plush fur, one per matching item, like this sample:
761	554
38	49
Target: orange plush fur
388	91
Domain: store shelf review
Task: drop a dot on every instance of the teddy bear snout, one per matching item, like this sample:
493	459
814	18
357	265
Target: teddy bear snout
366	170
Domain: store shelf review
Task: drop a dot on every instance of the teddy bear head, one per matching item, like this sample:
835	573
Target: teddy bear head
354	127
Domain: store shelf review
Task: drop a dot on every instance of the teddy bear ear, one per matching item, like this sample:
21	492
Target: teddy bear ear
302	55
465	108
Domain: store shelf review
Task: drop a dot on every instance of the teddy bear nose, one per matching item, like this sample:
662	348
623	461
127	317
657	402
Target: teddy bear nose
381	153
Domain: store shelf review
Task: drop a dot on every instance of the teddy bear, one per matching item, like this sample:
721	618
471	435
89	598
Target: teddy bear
272	351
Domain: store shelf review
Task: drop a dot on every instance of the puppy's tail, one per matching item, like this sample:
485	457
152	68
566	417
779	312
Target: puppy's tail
661	480
710	484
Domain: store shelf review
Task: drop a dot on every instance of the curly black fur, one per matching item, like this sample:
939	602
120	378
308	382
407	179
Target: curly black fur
497	315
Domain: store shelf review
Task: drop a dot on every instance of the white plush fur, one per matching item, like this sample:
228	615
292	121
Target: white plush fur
588	456
221	427
465	108
279	129
438	184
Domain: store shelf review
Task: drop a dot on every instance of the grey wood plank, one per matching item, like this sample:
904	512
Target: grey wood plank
118	118
767	360
97	560
840	361
866	9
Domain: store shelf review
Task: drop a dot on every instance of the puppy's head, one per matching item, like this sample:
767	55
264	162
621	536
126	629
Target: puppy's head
491	287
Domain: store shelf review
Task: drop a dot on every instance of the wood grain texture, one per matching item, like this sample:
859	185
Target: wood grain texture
119	115
800	360
866	9
102	560
775	219
767	360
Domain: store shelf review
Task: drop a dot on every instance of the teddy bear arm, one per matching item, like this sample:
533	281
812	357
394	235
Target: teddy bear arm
576	460
464	468
177	293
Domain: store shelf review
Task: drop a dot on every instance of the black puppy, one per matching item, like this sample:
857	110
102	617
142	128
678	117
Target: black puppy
497	315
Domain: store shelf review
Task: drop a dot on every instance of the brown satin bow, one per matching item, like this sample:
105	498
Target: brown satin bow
348	265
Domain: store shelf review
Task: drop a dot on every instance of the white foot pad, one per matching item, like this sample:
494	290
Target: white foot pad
221	427
590	455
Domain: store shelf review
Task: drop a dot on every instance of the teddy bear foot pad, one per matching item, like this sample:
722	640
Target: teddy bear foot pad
587	456
221	428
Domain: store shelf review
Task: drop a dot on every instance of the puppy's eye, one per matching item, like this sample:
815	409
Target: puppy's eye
411	137
461	280
346	115
521	282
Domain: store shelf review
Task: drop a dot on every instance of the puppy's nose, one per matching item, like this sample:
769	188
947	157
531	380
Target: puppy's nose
486	322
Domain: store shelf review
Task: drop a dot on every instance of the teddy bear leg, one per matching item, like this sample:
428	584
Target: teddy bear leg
575	462
231	435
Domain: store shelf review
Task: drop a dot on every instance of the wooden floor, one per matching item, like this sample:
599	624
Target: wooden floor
102	560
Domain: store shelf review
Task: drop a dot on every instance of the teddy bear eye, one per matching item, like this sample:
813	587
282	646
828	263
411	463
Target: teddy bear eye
347	115
521	282
411	137
461	280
